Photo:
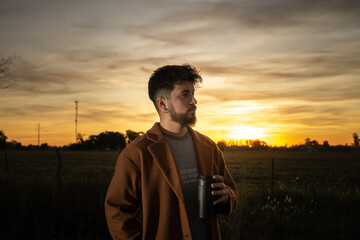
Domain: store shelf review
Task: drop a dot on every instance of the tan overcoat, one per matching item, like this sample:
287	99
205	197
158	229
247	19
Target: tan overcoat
146	176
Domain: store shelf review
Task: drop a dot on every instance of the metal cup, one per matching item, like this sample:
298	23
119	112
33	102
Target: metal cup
205	199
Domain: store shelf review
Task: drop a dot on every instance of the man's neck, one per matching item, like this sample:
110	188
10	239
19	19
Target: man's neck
173	128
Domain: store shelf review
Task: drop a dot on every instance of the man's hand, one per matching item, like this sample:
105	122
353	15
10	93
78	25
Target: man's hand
221	190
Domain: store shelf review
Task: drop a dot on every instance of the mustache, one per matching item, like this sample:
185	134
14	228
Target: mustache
192	109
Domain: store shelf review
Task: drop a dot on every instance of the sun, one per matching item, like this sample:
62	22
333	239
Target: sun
247	132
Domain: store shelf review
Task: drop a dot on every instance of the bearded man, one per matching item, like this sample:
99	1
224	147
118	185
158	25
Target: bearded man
157	173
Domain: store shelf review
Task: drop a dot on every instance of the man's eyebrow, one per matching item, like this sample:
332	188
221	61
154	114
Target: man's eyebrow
186	91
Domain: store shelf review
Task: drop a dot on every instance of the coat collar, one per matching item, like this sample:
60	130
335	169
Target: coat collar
163	156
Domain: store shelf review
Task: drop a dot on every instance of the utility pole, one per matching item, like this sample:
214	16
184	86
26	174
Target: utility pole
76	121
38	131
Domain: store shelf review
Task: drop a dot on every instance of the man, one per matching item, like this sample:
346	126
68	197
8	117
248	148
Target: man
157	173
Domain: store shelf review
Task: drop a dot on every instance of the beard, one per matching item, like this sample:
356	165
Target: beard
182	118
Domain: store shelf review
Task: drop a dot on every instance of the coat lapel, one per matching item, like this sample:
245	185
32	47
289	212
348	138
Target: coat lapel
204	154
163	156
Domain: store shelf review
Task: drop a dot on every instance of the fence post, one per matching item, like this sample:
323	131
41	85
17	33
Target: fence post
58	172
272	175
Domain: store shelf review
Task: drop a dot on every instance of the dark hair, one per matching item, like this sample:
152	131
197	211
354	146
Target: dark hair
164	78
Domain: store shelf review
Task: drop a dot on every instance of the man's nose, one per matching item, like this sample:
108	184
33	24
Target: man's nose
193	101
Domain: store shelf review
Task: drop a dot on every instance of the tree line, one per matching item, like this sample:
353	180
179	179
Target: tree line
117	141
309	145
104	141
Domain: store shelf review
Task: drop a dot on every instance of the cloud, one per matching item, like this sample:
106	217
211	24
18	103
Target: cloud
303	66
42	79
319	109
91	55
321	92
306	76
299	58
95	111
318	121
236	21
94	25
114	111
33	110
261	14
76	72
90	112
321	115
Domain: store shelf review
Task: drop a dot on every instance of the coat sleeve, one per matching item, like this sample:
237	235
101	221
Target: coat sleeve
122	201
230	206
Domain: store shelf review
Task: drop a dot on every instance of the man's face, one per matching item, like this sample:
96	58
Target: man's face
182	104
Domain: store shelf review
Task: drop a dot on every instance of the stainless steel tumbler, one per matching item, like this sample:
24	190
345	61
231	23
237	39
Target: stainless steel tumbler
205	199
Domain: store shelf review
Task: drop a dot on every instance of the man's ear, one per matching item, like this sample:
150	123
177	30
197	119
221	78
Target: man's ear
161	103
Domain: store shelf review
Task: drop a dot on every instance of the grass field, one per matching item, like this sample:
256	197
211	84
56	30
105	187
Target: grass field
315	195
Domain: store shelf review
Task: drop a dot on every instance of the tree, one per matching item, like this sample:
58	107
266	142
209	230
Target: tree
326	143
103	141
80	138
6	80
312	143
132	135
14	144
257	144
3	143
356	139
44	146
3	138
106	140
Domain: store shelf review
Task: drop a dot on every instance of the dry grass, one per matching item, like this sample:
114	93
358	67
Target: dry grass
316	195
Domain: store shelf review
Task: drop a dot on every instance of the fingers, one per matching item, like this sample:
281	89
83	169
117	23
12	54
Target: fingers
222	199
223	193
218	185
219	178
220	190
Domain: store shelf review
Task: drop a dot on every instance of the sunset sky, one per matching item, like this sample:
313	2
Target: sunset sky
277	70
